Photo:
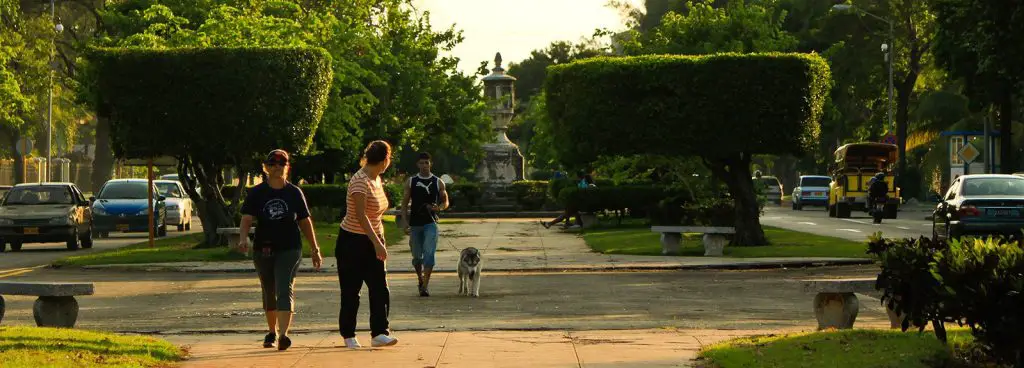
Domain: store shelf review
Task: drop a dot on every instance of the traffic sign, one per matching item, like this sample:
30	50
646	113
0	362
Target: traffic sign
889	139
969	153
24	146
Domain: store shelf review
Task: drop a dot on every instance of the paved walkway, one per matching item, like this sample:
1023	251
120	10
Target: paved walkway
515	245
536	349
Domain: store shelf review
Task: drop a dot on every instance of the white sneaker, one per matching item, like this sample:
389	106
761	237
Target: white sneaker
383	340
352	343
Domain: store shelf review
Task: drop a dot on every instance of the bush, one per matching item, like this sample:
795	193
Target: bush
686	105
465	194
614	198
978	283
530	194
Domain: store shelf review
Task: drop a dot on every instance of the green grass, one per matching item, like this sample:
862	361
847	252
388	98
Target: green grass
51	347
639	240
837	349
183	248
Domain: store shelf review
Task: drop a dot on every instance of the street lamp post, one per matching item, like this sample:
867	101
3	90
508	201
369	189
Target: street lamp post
887	50
49	114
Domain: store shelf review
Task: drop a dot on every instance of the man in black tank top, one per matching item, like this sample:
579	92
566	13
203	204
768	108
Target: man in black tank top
428	197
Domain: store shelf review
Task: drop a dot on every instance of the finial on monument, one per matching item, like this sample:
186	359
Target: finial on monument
497	63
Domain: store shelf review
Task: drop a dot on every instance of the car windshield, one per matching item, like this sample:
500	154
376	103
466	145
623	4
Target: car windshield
169	190
769	182
994	187
39	195
124	190
815	182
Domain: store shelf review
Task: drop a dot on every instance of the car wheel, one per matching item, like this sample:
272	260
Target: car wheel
87	239
73	241
161	231
188	225
181	227
16	246
831	210
3	246
843	210
935	232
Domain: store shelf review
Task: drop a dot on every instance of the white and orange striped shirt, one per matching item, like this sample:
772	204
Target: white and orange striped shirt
376	203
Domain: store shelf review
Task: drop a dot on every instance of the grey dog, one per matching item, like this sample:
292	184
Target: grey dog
470	270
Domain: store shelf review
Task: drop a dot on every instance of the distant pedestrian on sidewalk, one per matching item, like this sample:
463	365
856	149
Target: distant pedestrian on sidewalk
584	182
427	195
280	210
361	249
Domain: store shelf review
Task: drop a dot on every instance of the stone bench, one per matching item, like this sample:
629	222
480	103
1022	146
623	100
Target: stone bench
56	306
714	239
836	305
233	234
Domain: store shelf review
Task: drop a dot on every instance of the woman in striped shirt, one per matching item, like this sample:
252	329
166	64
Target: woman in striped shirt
361	250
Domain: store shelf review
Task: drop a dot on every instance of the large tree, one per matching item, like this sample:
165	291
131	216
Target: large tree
979	42
691	106
211	109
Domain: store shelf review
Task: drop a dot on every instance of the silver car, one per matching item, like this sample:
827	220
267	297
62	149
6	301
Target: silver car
179	205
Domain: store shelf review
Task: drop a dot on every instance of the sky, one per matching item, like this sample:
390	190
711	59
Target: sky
515	28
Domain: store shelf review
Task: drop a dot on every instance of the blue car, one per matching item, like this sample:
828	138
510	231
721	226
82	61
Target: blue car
121	206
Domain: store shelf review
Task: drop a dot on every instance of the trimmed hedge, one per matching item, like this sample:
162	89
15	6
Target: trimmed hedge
979	283
709	105
464	194
220	105
531	194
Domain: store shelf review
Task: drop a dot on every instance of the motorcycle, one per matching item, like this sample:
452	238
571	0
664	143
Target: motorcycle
878	209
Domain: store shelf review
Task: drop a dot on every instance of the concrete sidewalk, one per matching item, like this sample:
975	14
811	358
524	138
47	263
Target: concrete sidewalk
602	348
515	245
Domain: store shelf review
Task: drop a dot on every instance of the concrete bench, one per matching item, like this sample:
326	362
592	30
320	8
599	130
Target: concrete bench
714	239
836	305
56	306
233	234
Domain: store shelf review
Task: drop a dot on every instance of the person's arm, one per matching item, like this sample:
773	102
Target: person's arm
406	201
306	225
443	192
243	235
364	222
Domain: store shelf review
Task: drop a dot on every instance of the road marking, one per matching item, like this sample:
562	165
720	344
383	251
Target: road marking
903	228
17	271
850	230
856	221
807	223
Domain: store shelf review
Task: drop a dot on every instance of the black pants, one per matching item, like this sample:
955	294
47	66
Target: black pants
358	263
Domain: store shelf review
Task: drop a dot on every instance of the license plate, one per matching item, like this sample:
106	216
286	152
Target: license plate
31	231
122	227
1004	213
818	194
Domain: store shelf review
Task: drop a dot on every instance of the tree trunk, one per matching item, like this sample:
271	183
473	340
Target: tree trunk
203	183
735	172
904	91
103	164
1009	166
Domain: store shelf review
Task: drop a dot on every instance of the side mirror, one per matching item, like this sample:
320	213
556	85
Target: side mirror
161	198
92	199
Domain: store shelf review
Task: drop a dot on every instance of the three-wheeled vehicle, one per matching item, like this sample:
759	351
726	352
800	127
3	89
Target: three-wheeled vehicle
852	171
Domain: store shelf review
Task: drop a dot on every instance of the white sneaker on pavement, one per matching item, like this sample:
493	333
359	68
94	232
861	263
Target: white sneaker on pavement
383	340
352	343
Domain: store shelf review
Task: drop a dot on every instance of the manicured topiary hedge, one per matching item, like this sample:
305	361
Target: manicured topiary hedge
709	106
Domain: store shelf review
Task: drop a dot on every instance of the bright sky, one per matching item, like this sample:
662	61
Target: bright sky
515	28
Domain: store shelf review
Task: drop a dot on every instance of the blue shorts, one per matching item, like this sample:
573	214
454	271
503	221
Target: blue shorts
423	243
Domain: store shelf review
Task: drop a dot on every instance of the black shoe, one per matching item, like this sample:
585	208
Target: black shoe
424	291
268	341
284	343
545	225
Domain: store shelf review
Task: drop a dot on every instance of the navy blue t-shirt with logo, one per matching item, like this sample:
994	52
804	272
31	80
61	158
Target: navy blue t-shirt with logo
277	213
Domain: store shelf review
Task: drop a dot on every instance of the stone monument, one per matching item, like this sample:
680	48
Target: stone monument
503	162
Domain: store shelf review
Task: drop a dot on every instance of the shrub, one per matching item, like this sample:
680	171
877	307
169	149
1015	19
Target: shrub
465	194
614	198
978	283
530	194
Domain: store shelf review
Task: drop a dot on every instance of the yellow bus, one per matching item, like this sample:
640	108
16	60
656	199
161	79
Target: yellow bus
854	166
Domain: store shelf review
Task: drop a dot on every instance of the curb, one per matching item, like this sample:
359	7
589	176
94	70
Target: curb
754	265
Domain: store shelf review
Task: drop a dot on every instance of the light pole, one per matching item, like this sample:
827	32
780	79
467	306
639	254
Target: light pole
49	114
887	51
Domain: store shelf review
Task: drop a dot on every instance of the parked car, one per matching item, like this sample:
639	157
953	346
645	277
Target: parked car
811	190
45	212
121	206
771	188
3	190
179	205
988	204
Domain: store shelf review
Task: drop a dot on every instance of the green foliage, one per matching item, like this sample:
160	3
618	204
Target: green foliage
328	195
703	28
775	99
531	194
222	105
464	194
972	282
614	198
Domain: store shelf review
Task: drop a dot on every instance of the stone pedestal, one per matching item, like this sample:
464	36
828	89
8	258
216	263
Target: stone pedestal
836	310
588	220
55	311
502	164
671	243
714	244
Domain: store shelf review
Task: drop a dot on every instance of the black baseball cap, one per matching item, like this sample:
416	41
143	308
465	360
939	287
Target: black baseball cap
278	156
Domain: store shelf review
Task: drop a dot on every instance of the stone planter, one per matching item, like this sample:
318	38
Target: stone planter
714	244
670	243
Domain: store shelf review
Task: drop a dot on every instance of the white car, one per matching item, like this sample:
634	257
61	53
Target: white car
179	205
